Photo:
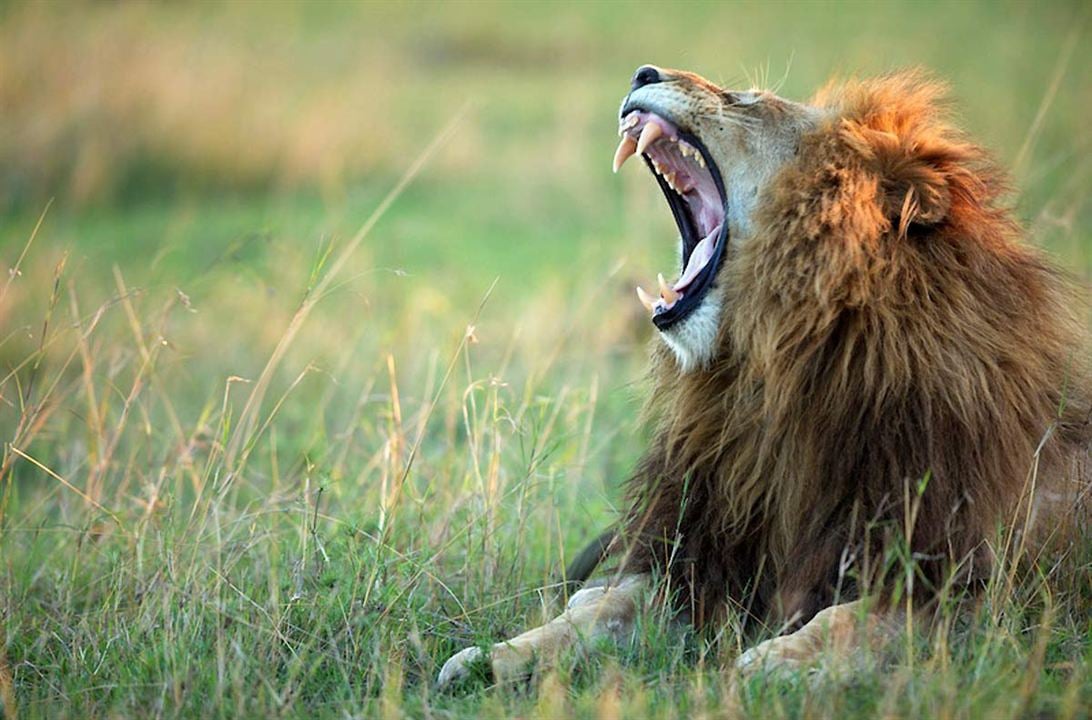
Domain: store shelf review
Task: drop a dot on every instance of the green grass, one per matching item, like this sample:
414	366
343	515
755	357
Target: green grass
193	523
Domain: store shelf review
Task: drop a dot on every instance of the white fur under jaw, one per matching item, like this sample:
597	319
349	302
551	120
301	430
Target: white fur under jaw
694	338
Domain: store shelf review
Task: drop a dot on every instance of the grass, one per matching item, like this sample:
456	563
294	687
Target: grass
253	466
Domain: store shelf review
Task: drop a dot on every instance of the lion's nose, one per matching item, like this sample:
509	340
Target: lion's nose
645	75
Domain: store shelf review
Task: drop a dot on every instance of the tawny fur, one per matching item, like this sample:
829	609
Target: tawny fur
890	359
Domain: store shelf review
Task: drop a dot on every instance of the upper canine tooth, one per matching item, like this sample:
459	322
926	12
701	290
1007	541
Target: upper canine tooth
627	147
651	132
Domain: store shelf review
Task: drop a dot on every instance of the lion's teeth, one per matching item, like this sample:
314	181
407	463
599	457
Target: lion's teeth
626	148
647	300
689	151
674	181
651	133
666	291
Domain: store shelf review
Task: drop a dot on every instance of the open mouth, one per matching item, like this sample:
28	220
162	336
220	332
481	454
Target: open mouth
695	193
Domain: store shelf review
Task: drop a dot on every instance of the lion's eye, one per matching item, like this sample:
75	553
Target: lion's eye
731	98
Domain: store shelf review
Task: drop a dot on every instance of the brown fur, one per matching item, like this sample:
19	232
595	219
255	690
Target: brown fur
891	359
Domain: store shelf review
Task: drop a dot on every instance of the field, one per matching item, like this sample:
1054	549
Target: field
319	354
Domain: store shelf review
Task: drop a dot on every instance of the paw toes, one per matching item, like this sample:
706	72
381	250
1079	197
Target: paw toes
459	667
772	655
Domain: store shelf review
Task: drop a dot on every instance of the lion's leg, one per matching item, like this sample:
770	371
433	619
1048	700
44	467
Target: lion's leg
592	613
839	629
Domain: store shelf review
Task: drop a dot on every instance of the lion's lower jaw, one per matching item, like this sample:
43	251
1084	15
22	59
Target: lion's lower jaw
694	339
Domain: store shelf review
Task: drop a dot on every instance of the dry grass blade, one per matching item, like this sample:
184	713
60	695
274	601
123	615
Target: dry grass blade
7	695
15	269
90	500
1065	56
248	418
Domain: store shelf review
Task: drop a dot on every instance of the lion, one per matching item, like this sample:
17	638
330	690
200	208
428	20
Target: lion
860	365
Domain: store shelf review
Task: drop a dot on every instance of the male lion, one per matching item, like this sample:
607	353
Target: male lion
860	362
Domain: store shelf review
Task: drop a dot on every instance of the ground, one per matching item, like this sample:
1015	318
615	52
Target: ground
259	463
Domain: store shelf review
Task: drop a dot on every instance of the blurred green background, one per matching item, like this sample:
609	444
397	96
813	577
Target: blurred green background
197	168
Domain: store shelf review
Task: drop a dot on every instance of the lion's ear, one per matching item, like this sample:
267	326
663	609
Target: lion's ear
915	192
913	175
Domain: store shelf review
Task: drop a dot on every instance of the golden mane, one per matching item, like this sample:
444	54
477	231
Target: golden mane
890	349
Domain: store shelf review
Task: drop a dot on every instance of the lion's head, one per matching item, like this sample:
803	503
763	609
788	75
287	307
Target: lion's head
720	156
713	152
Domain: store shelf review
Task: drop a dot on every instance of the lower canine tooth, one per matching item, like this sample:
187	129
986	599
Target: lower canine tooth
666	291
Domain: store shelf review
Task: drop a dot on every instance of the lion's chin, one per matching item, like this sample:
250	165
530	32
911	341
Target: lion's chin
693	339
694	189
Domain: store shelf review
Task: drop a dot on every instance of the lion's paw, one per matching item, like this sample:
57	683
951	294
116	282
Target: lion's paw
461	666
775	655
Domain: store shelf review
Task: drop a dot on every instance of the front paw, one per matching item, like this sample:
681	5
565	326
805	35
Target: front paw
775	655
461	666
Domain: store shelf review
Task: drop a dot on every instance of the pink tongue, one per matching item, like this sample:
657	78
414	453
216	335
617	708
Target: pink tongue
703	252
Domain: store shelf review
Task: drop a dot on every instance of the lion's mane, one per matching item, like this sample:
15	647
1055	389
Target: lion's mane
895	369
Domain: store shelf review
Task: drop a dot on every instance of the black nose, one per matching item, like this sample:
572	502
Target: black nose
645	75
